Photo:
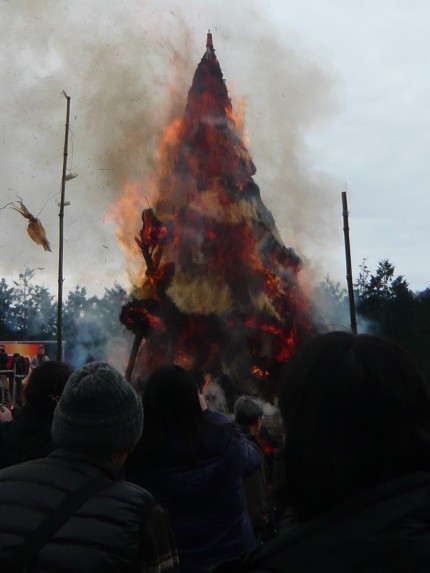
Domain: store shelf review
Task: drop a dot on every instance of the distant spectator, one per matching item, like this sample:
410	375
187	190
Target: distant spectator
4	386
40	357
28	436
248	414
115	526
4	357
20	366
195	465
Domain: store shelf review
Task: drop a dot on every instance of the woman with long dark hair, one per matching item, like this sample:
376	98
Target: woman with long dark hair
357	461
194	464
28	436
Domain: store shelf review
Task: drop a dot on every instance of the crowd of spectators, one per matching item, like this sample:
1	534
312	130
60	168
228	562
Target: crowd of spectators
100	477
14	369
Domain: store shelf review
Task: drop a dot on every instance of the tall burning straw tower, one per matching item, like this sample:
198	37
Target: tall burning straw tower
220	294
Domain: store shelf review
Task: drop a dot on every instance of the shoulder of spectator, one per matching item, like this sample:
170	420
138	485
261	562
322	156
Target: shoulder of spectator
216	416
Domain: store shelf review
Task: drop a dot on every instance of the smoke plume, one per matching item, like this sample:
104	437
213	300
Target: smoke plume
127	66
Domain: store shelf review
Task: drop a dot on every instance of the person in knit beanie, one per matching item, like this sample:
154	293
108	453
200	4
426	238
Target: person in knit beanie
118	526
98	412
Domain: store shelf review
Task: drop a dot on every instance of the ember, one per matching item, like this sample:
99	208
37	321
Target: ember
220	294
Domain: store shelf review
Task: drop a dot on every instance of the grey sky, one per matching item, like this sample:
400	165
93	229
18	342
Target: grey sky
334	91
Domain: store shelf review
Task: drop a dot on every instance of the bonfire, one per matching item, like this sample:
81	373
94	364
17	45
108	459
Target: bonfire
220	294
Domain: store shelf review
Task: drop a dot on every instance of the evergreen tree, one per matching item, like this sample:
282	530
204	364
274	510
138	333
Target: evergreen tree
394	311
32	311
383	298
110	305
7	296
331	306
90	325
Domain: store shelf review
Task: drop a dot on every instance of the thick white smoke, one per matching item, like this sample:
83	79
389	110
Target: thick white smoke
127	66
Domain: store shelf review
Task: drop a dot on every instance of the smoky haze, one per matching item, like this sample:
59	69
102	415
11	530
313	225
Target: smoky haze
127	67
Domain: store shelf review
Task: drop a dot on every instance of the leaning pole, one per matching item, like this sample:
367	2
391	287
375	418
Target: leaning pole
61	234
348	264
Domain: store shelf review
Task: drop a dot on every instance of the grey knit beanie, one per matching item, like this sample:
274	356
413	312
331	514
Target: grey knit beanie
98	412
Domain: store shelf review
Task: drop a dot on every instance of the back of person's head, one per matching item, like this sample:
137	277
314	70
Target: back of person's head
45	386
356	413
172	408
99	413
170	394
247	411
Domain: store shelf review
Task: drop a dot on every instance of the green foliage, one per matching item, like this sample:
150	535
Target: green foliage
330	306
29	312
392	310
384	299
333	290
372	289
7	295
421	332
91	324
110	305
74	309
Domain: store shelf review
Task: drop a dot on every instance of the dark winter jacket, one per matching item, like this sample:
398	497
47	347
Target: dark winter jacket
206	500
25	438
4	360
385	529
119	529
257	497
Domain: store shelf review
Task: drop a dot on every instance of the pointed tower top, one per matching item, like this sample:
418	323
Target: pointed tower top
208	95
209	46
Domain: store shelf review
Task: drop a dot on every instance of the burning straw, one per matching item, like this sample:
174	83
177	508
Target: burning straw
220	294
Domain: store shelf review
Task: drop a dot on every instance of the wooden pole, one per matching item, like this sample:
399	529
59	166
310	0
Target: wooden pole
59	355
133	354
348	264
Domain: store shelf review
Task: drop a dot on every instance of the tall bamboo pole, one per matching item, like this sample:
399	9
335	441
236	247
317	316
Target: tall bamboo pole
61	233
348	264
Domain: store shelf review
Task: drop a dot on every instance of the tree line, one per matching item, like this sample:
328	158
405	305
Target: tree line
384	302
385	306
90	324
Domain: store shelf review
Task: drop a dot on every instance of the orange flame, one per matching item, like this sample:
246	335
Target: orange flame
214	262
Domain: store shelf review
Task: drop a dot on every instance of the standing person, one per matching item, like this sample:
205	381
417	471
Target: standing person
357	458
28	435
195	466
20	371
109	525
40	357
4	359
248	415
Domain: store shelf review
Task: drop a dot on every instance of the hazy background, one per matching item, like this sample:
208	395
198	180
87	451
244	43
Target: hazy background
334	92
